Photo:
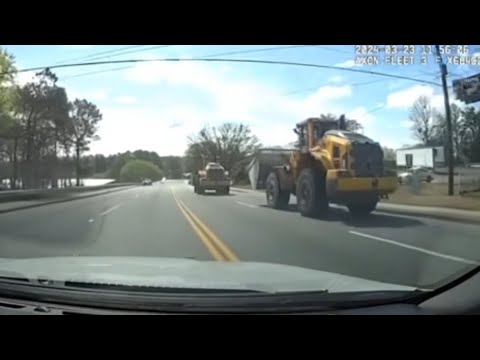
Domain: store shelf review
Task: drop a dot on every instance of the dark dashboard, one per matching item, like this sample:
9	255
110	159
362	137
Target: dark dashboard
8	307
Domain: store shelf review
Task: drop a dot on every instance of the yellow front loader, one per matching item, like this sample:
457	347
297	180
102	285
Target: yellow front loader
331	165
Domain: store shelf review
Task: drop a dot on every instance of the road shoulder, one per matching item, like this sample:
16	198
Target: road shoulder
463	216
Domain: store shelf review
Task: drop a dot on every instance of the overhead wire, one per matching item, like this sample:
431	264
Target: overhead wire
328	48
95	72
251	61
132	51
209	58
101	55
329	83
345	83
93	55
206	56
248	51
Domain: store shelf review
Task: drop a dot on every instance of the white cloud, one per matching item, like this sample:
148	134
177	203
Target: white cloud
389	141
148	128
361	114
126	99
348	64
225	96
246	98
336	79
395	84
79	47
24	77
404	99
90	95
98	95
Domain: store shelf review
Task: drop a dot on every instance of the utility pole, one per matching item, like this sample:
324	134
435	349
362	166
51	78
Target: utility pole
448	117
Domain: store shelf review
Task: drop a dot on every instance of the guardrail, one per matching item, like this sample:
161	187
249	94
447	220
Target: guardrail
33	194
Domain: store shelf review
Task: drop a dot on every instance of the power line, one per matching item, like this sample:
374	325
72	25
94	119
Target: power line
328	48
378	108
251	61
256	50
115	52
96	72
86	57
357	84
207	56
132	51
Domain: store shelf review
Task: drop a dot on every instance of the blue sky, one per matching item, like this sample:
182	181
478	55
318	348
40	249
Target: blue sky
155	106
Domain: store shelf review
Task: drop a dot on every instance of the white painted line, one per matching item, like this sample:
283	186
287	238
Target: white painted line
245	204
91	220
422	250
110	210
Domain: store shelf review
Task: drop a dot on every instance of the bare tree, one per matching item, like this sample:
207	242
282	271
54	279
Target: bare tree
422	117
228	143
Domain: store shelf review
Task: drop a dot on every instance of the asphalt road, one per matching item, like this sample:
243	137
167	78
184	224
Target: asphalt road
169	220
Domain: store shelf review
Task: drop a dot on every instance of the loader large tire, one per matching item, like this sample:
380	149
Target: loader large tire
312	194
276	197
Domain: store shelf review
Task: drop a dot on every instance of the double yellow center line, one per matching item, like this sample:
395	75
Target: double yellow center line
216	247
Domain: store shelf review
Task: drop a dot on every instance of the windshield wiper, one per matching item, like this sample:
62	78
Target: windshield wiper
155	289
197	300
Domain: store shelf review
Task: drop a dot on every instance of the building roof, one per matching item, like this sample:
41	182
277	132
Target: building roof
418	147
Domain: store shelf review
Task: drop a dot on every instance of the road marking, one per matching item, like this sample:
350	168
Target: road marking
245	204
219	244
110	210
419	249
217	248
249	191
90	220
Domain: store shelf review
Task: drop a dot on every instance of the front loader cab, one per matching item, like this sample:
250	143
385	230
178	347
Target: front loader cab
311	131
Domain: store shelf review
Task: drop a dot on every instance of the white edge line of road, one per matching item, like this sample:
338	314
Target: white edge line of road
110	210
415	248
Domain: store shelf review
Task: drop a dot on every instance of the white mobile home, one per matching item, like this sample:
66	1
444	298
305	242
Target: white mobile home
431	156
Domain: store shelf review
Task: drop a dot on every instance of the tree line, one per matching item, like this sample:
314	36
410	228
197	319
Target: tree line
101	166
42	133
429	128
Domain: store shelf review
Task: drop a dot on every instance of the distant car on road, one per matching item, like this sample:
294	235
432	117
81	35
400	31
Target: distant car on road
146	182
423	174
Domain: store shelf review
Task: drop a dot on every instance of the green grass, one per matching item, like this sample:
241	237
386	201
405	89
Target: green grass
436	195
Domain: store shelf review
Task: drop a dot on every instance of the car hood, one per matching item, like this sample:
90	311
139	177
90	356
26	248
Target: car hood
187	273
